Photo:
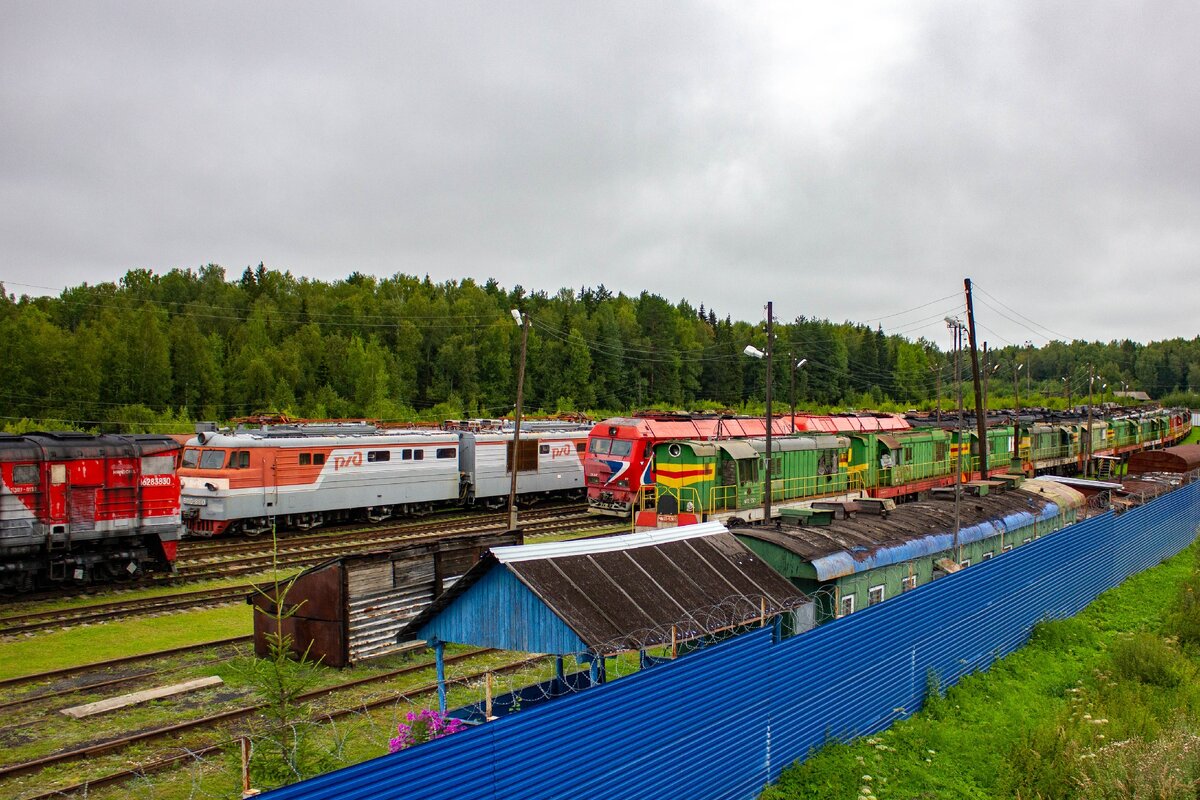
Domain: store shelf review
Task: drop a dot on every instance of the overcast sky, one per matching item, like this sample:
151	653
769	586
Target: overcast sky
851	162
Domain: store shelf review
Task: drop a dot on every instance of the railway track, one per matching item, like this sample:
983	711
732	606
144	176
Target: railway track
101	612
237	714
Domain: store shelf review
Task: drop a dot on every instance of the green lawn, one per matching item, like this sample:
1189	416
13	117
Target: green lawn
88	644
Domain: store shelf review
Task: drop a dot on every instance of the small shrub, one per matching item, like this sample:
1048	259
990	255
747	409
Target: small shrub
422	727
1148	659
1184	620
1061	635
1167	767
1042	763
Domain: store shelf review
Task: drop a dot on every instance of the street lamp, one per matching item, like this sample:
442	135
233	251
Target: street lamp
754	352
795	366
523	321
956	326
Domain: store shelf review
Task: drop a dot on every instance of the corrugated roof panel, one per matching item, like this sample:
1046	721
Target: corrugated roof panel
605	544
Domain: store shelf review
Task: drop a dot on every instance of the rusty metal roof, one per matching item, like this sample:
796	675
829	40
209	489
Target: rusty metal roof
628	592
914	529
1181	458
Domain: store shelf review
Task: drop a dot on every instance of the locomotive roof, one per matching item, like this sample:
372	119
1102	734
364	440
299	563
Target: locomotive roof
750	448
292	438
912	530
69	444
683	426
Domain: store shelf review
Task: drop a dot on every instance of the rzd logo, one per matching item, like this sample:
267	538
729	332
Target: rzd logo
558	452
347	461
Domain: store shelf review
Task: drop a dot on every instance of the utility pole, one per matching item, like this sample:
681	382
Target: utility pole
955	325
1087	465
523	319
795	365
980	418
987	373
770	352
937	371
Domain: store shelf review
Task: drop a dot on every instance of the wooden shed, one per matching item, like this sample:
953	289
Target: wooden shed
349	609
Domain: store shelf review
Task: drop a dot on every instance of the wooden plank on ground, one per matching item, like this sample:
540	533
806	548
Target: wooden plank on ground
113	703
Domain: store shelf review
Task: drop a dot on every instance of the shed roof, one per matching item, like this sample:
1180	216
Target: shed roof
608	594
912	530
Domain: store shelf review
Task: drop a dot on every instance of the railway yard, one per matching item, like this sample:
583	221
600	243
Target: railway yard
67	651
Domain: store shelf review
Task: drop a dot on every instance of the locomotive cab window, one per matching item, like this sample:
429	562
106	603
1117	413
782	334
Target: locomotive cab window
191	457
600	446
158	465
621	447
212	459
375	456
239	459
25	473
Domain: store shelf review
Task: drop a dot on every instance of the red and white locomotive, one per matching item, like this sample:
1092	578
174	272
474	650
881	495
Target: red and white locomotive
308	474
82	508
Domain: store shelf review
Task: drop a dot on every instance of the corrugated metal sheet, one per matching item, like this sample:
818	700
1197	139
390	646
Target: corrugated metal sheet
720	722
615	594
910	531
1181	458
659	733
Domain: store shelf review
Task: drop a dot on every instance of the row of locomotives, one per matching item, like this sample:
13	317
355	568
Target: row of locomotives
619	468
1064	446
305	475
723	480
78	508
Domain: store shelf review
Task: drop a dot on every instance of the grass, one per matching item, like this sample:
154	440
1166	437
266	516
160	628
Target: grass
88	644
1102	705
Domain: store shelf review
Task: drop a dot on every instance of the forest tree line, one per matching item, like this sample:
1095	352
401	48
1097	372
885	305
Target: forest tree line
186	345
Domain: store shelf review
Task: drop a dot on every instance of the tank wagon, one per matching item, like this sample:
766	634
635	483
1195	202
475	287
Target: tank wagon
77	508
619	465
308	475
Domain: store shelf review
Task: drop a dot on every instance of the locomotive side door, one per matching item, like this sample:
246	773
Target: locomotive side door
270	479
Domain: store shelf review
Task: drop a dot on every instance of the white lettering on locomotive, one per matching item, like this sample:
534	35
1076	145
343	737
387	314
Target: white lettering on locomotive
157	480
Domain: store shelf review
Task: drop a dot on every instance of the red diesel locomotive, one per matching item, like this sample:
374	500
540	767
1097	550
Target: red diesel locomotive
620	456
80	508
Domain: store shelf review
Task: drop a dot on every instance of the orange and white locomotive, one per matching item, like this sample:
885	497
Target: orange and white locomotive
305	475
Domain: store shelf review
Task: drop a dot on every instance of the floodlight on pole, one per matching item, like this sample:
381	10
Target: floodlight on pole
754	352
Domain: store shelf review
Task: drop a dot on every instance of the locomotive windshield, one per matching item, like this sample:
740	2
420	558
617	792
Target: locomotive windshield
621	447
191	457
600	446
212	459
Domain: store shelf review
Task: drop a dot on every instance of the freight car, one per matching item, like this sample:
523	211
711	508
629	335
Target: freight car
307	475
77	508
619	466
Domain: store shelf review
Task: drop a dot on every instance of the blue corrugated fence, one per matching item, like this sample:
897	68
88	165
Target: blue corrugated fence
723	721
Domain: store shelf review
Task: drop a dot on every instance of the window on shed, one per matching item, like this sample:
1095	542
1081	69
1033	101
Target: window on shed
1026	540
846	605
527	460
988	556
1006	548
965	563
158	465
908	584
25	473
305	459
445	452
377	456
874	595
